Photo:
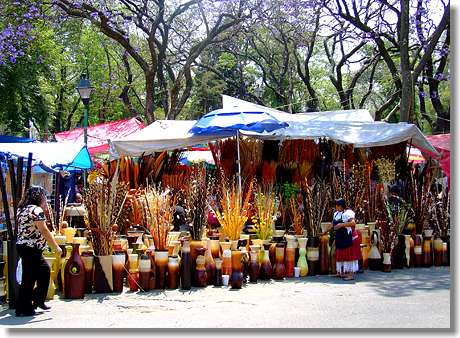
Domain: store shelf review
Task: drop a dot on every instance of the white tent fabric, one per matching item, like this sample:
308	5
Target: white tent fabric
361	115
355	127
360	134
159	136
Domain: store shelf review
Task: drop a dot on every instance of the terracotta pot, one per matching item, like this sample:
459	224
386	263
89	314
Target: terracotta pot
236	278
194	245
118	269
161	267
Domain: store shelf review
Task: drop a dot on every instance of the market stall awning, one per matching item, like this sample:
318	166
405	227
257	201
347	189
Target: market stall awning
361	115
52	155
360	134
442	144
100	133
159	136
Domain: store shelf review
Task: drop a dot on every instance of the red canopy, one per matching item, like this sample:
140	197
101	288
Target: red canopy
442	144
100	133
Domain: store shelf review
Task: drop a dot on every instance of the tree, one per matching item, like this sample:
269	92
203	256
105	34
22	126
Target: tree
171	34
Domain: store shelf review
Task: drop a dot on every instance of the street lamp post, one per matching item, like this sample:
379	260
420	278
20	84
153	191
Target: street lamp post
84	90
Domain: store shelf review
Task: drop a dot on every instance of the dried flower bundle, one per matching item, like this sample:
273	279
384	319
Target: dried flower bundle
158	210
104	200
316	198
388	233
266	204
297	216
196	200
386	170
235	210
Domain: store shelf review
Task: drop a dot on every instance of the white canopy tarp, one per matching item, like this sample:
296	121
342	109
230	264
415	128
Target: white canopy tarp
355	127
360	134
159	136
361	115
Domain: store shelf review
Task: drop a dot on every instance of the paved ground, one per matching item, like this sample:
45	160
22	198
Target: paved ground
401	299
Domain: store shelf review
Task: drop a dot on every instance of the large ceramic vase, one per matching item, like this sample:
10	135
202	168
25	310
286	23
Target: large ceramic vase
146	277
427	250
227	262
173	272
366	245
302	263
386	264
290	256
437	248
374	258
88	261
399	253
279	269
218	275
201	278
185	266
254	267
324	254
51	287
161	268
214	246
209	263
418	251
74	275
446	260
236	278
313	255
194	246
265	269
445	255
118	270
103	280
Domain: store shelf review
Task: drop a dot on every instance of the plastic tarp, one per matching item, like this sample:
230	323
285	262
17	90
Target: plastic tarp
442	144
361	115
159	136
14	139
100	133
360	134
52	154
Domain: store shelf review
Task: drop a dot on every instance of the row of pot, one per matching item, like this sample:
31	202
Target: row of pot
409	252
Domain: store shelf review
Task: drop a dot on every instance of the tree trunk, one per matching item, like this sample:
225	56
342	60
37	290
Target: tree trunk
149	96
406	107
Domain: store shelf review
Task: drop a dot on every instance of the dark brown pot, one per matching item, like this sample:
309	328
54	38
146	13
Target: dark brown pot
313	255
74	275
103	282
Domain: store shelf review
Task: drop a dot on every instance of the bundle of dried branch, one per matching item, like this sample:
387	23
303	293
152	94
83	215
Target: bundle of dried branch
266	203
158	209
197	195
104	200
317	197
235	210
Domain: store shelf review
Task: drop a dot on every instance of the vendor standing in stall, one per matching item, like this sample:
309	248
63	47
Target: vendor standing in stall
33	235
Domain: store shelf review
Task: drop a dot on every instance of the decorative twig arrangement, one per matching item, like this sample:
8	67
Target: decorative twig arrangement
104	200
56	218
352	188
158	211
197	195
421	199
297	216
317	197
440	217
234	210
266	203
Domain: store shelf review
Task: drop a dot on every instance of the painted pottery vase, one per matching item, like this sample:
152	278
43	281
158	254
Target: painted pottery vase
254	267
324	254
386	264
209	263
437	248
302	261
146	277
118	269
374	259
236	278
88	261
218	274
265	269
427	251
185	266
279	269
74	275
161	268
200	271
418	251
313	255
173	272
